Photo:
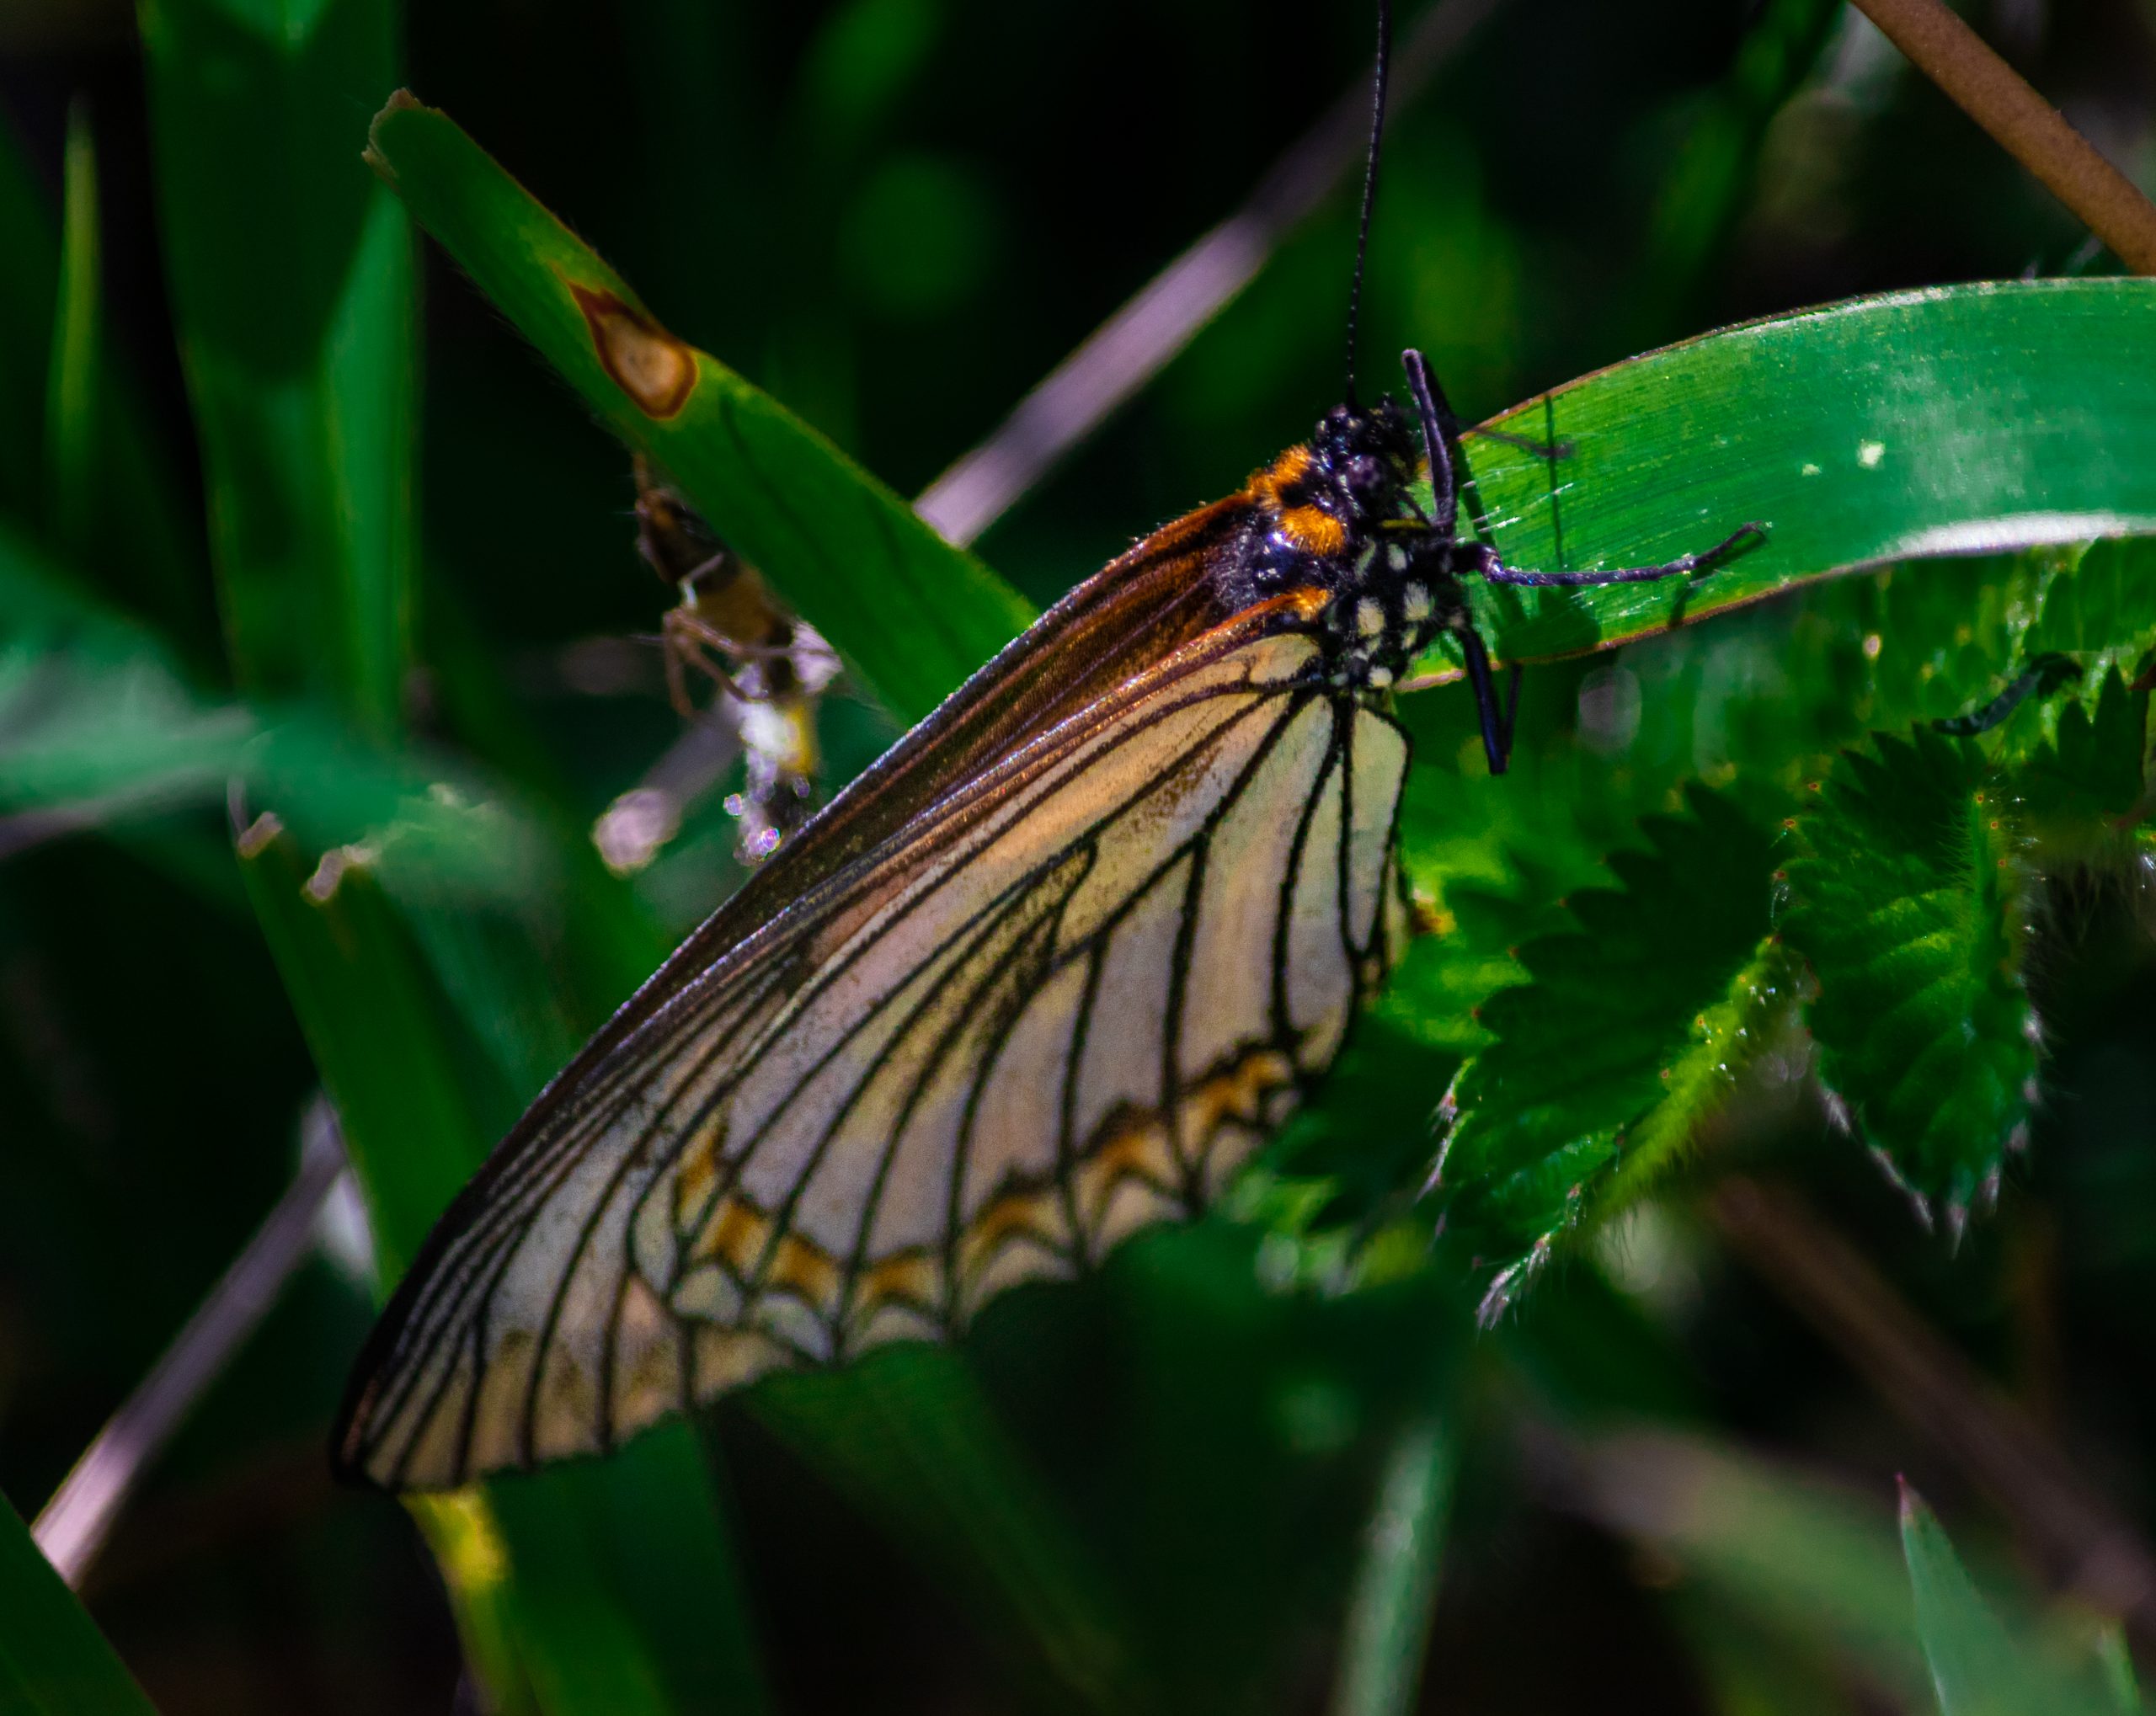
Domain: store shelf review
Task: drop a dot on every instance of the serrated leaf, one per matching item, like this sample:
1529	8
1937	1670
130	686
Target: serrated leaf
1630	1029
2106	606
1909	899
2081	792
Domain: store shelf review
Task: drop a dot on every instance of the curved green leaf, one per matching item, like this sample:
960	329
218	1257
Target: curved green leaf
1955	420
1909	899
912	614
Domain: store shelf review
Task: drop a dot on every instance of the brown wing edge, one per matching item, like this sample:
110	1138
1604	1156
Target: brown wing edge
1134	612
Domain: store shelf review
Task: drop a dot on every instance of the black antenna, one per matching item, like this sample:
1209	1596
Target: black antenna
1369	186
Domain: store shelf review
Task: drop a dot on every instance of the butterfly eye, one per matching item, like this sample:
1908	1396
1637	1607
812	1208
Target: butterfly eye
1364	477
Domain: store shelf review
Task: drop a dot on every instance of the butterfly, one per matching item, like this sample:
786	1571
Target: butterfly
1048	972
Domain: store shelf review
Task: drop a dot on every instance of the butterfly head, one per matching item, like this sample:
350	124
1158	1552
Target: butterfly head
1323	499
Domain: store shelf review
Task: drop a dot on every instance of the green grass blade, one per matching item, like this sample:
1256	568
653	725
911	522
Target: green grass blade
1979	1668
1389	1610
291	287
72	393
1972	1666
140	544
1958	419
53	1659
1809	1562
365	1008
912	614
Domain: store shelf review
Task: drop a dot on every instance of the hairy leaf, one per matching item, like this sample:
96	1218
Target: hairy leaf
1909	898
2083	793
1628	1032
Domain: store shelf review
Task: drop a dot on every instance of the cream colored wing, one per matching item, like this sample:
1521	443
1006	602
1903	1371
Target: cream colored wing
1067	1001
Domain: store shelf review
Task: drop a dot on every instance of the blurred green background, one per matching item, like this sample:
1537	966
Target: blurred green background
1183	1484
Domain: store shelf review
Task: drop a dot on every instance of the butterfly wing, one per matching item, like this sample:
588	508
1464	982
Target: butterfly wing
1062	1001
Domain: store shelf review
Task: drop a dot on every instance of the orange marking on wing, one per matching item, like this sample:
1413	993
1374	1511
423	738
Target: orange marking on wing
697	1177
735	1235
655	370
1136	1143
908	1276
1027	1215
805	1270
1239	1093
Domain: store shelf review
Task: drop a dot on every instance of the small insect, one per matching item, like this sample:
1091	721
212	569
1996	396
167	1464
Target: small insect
767	665
1046	973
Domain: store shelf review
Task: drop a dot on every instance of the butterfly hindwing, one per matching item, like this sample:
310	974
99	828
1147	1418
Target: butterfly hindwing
1061	1003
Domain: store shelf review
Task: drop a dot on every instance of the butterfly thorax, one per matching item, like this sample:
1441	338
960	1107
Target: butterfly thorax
1335	512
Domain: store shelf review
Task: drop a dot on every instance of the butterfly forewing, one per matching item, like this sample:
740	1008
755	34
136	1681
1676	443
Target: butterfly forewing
1062	1002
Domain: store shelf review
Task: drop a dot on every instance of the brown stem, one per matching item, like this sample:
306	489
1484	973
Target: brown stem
2029	128
1941	1395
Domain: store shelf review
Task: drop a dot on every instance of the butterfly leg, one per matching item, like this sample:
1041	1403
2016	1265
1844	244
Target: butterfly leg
1495	571
1496	723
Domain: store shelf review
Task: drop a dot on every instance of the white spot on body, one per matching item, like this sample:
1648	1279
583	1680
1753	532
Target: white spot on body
1369	617
1416	602
1379	677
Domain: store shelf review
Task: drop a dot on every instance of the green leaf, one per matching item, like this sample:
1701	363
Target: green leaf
300	357
1972	1664
143	548
72	392
1388	1610
1908	897
911	614
53	1659
1629	1031
2082	792
2105	609
1977	1667
1953	420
